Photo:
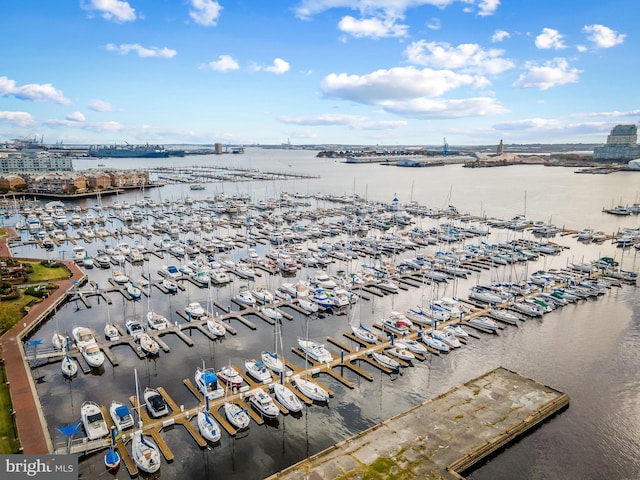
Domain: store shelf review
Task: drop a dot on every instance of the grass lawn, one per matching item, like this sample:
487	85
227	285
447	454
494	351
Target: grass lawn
47	274
11	311
8	442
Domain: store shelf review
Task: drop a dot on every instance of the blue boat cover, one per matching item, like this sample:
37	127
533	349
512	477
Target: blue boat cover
209	377
122	411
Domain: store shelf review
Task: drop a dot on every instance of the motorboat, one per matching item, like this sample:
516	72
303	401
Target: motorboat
323	280
207	383
68	366
171	271
219	276
400	351
364	334
155	403
119	277
263	403
296	290
111	333
148	344
230	376
287	398
88	347
157	321
386	361
134	328
311	389
397	323
308	305
87	262
529	309
484	322
315	350
272	312
262	295
322	299
258	371
414	346
121	416
430	341
457	330
236	415
245	297
207	426
504	315
194	310
93	420
446	337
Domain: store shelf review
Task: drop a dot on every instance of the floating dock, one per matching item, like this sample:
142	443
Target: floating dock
442	437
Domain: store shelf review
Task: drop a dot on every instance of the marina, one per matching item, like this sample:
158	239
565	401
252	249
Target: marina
387	270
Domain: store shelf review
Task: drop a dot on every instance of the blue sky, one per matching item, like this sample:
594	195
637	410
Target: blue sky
385	72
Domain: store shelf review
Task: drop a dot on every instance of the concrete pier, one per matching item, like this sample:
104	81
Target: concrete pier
473	421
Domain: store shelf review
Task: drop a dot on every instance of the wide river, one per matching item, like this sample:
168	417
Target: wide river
590	349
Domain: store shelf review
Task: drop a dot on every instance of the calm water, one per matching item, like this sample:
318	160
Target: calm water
591	350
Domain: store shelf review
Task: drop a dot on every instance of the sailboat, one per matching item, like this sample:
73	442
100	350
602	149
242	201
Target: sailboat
308	387
69	366
112	457
207	426
144	451
271	359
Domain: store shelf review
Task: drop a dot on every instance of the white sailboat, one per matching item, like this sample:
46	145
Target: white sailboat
144	451
207	425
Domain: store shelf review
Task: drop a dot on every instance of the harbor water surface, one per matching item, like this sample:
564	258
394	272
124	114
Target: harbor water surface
590	350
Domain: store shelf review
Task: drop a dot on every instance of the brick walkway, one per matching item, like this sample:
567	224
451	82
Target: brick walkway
29	418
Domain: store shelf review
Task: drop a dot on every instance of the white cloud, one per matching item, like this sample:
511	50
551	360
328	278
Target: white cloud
113	10
551	74
89	126
375	27
550	39
613	113
399	83
581	48
467	57
32	91
101	106
145	52
278	67
205	12
488	7
355	122
499	35
409	91
224	64
446	108
603	37
433	24
21	119
308	8
534	128
76	117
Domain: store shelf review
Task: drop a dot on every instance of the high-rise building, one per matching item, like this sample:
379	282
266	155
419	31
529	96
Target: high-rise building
622	144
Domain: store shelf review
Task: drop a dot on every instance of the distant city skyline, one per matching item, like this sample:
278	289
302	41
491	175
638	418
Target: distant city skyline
309	72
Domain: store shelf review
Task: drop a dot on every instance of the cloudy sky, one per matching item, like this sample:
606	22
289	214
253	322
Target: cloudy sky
393	72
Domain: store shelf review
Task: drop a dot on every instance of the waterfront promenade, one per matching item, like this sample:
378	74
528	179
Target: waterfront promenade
29	419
